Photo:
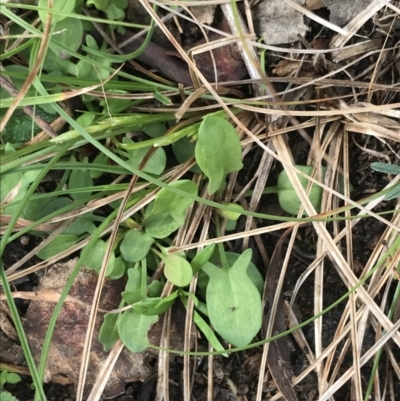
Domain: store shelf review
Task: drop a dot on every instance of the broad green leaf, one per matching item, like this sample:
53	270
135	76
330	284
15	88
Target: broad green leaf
228	214
59	5
252	271
184	150
100	5
10	182
133	328
218	151
56	246
13	378
172	203
132	292
94	258
18	184
155	165
167	212
7	396
108	333
38	208
83	224
101	158
177	270
117	269
233	301
69	33
154	289
84	68
161	225
136	245
287	195
80	179
155	130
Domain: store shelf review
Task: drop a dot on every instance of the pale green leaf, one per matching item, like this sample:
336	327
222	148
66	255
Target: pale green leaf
233	301
59	5
135	245
218	151
56	246
133	328
177	270
108	333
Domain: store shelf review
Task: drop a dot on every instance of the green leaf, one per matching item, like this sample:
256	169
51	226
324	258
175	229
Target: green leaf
59	5
80	179
135	245
153	306
108	333
69	33
56	246
132	292
117	269
100	5
19	185
83	224
154	289
155	130
13	378
287	195
233	301
7	396
177	270
167	212
386	168
94	258
39	208
202	257
184	150
218	151
393	193
155	165
133	328
228	214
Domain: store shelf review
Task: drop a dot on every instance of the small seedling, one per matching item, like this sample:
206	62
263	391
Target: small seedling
10	378
287	196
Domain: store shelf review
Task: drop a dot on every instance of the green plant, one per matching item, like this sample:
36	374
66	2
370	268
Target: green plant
287	196
10	378
389	169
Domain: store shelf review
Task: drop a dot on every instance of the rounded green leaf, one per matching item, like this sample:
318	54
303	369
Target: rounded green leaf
117	269
56	246
68	33
94	258
233	301
133	328
135	245
66	6
80	179
155	165
218	151
177	270
183	150
287	196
